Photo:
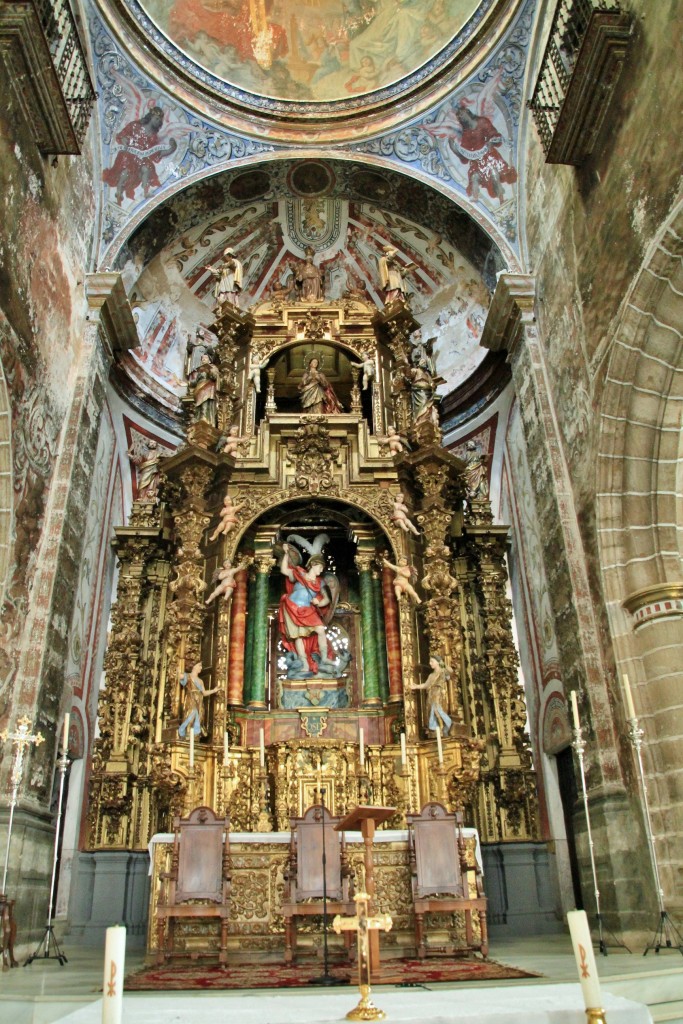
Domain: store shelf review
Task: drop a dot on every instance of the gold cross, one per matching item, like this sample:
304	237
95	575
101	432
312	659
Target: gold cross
363	922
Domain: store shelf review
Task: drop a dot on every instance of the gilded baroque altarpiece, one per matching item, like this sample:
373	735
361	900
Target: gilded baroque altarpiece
319	422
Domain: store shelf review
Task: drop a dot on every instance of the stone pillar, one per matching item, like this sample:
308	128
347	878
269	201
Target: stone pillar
238	630
259	681
380	635
42	641
371	695
511	326
393	636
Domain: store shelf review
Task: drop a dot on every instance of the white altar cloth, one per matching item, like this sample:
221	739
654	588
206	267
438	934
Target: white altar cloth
514	1003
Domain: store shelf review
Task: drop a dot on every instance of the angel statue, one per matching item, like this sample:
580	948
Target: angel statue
225	578
400	516
393	440
307	606
368	368
436	686
230	444
194	701
404	574
228	518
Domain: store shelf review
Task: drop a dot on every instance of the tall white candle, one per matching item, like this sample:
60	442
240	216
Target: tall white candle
362	747
575	709
585	958
404	757
191	748
114	963
65	734
439	745
226	746
630	710
262	749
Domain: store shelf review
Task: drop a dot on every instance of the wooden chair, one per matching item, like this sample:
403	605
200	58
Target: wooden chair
443	879
304	875
198	884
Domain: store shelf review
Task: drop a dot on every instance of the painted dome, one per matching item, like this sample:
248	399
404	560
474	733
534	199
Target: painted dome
308	55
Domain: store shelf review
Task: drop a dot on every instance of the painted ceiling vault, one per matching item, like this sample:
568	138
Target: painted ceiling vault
181	179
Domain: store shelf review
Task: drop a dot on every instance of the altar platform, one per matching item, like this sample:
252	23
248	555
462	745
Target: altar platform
549	1004
45	993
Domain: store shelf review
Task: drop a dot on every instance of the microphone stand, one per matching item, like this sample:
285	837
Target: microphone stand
325	978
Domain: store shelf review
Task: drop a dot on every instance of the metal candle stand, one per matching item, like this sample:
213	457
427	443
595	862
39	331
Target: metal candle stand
42	950
667	935
579	745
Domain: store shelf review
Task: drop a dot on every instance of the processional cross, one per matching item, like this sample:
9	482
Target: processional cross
363	923
21	739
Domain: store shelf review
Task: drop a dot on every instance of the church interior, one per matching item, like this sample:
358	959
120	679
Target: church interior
341	374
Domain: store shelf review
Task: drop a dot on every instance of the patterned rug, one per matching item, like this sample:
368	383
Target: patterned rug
182	975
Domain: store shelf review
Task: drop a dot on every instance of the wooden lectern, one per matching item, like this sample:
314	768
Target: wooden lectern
366	819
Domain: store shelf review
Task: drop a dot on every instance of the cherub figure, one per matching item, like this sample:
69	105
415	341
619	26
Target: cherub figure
368	368
393	440
400	516
230	445
226	578
194	699
256	365
404	573
228	520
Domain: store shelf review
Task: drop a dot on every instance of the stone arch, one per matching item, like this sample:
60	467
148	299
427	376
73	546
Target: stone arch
116	247
639	505
6	489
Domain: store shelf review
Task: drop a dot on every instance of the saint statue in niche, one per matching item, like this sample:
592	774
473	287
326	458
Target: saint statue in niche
306	608
317	394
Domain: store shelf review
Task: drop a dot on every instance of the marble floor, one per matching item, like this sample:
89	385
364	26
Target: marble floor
44	992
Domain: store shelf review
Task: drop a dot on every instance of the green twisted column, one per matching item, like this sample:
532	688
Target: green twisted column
380	636
257	695
371	692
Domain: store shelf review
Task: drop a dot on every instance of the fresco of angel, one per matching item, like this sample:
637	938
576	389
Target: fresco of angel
143	143
308	603
472	138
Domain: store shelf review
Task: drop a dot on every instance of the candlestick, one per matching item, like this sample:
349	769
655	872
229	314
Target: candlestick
114	961
575	708
191	748
630	710
262	749
226	746
362	747
439	745
585	960
65	735
404	756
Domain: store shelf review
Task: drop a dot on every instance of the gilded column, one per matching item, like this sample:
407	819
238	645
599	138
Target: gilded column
392	636
380	636
238	630
371	694
257	697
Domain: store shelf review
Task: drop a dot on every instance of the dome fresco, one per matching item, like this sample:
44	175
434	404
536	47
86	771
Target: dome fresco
310	50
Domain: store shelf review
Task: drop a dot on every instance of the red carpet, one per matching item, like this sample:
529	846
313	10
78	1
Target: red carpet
182	975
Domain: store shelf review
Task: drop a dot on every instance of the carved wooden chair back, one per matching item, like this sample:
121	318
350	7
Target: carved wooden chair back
435	852
306	857
201	855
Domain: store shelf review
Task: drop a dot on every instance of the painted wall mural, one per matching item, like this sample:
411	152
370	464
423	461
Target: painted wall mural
317	50
149	140
173	296
470	140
